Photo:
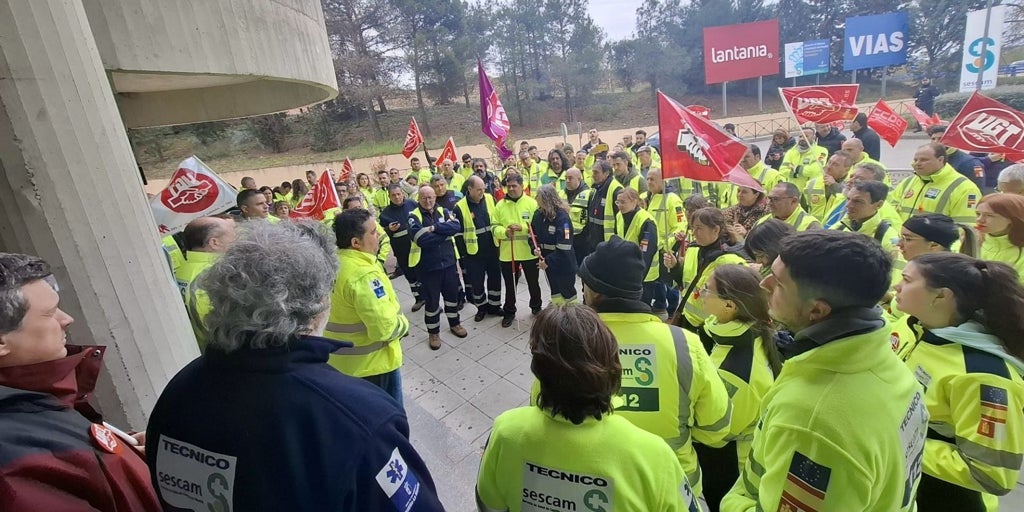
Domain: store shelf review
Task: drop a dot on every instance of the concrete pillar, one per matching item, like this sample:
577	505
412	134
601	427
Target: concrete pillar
70	192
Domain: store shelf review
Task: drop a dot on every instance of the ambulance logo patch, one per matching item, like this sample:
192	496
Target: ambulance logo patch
993	412
894	341
400	484
909	194
931	193
378	288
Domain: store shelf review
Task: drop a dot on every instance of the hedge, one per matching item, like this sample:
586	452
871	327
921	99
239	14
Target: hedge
948	105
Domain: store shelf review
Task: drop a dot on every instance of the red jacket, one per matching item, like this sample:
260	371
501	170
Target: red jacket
54	452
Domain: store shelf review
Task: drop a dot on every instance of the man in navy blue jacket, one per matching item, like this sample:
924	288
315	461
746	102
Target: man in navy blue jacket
260	421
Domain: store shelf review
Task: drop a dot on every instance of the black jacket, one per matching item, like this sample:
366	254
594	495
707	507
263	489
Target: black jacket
872	143
833	141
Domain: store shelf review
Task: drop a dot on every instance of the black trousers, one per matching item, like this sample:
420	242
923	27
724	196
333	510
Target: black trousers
532	273
938	495
435	285
482	268
719	470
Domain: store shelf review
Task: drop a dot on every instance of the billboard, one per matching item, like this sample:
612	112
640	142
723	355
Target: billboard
806	58
875	41
746	50
973	60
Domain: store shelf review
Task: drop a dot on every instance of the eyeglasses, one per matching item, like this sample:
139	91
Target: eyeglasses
775	199
705	291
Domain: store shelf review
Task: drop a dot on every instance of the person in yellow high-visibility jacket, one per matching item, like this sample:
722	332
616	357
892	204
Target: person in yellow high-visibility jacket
636	225
858	157
804	161
365	310
601	209
714	245
669	384
825	440
824	194
670	217
747	359
625	173
1001	221
784	203
571	448
751	162
968	358
511	231
936	187
206	238
872	171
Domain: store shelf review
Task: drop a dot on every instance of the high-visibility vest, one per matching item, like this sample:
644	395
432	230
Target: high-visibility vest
693	309
578	210
414	249
632	234
469	229
513	246
607	221
669	214
799	219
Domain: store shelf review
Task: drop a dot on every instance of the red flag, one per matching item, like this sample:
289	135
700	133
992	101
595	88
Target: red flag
922	118
448	153
346	171
692	147
884	120
700	110
988	126
821	103
413	139
319	199
193	191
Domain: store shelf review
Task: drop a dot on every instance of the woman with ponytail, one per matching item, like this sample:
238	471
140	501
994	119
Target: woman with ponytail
969	315
713	246
1001	221
747	361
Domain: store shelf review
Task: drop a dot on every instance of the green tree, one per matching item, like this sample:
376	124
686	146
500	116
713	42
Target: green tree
936	43
209	132
270	131
322	132
622	60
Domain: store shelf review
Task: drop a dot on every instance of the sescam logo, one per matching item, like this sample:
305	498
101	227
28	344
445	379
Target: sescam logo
993	128
739	53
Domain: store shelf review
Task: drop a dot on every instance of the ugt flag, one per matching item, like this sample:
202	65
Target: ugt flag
692	147
413	139
821	103
493	119
988	126
322	197
448	153
884	120
194	191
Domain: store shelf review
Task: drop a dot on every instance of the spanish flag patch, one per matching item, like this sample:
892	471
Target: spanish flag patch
993	412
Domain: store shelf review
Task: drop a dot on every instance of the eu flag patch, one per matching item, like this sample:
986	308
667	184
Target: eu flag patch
806	485
992	407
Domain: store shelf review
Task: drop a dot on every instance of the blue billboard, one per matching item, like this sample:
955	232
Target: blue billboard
875	41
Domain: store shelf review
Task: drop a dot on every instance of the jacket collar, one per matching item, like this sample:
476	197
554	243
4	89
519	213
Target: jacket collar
278	358
840	324
620	305
733	333
71	379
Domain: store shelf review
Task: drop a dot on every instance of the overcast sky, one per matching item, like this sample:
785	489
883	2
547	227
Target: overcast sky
616	17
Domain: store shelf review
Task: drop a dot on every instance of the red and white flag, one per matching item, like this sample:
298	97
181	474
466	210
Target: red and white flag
346	171
194	191
821	103
319	199
448	153
884	120
413	139
988	126
922	118
692	147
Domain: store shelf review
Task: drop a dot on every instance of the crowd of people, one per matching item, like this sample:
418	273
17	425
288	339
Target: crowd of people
824	341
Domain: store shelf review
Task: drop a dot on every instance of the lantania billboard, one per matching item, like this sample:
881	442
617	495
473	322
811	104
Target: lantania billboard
746	50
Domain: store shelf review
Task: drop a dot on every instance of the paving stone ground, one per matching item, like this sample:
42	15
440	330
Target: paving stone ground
452	395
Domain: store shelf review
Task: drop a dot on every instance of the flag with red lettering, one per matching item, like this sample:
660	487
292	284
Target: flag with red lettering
987	126
322	197
413	139
448	153
346	171
194	191
821	103
922	118
884	120
692	147
493	119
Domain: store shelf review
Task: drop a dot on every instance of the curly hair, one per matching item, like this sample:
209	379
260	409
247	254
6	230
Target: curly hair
270	285
549	202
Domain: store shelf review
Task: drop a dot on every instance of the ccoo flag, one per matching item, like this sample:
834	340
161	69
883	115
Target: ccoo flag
194	191
322	197
884	120
493	119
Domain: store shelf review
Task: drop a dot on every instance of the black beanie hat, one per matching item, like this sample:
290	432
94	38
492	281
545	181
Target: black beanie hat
615	269
934	227
861	119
